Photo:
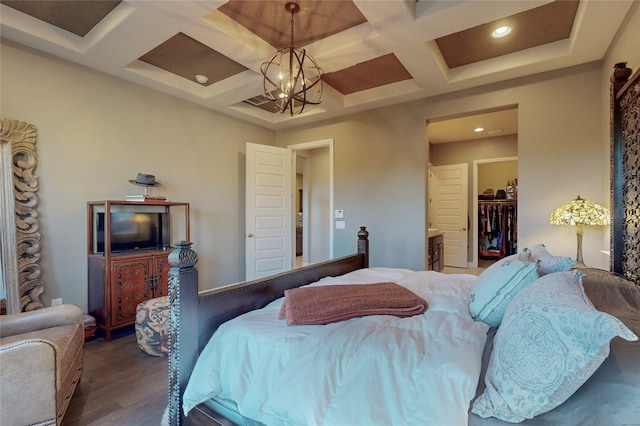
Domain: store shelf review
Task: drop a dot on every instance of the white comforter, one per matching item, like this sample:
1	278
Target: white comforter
375	370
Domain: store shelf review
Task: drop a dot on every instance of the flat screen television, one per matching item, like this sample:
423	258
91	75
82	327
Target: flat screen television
134	231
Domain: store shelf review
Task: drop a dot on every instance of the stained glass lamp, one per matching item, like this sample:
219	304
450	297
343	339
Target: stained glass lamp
580	212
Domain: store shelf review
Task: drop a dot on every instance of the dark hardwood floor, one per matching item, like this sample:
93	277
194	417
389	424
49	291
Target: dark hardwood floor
120	385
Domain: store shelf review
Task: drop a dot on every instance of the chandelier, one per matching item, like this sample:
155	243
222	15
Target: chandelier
292	77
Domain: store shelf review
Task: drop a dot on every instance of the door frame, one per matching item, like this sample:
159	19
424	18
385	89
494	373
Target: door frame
323	143
474	222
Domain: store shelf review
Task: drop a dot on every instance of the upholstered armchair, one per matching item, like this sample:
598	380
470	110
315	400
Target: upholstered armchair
40	364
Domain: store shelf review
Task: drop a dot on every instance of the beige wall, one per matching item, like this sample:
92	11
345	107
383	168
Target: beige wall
381	161
496	175
95	132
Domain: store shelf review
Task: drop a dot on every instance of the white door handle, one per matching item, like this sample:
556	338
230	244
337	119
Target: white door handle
250	235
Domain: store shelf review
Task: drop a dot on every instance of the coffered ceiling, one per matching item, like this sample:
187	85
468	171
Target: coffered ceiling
373	52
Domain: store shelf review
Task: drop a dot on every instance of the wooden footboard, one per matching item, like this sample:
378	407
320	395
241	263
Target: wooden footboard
195	316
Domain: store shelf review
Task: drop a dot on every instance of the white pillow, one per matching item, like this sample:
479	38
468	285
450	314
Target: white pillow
524	255
494	288
550	342
548	263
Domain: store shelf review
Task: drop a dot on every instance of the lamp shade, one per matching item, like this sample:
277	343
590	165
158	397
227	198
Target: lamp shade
579	211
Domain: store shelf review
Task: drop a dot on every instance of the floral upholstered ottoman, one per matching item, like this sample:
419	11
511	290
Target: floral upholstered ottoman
152	326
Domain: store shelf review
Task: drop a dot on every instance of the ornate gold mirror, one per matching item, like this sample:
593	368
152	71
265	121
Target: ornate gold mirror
20	285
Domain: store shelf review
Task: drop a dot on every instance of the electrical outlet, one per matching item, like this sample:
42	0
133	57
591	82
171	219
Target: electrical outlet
55	302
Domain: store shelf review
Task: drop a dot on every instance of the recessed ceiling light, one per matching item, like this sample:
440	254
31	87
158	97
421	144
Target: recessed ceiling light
478	129
202	79
501	31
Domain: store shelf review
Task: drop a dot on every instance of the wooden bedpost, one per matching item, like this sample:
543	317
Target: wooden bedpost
363	245
183	325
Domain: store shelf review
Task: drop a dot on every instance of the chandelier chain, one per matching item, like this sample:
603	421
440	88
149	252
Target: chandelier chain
292	13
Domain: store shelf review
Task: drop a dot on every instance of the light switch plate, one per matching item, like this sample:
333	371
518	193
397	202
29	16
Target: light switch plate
340	224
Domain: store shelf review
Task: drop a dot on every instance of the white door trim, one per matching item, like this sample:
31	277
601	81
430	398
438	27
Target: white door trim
474	221
324	143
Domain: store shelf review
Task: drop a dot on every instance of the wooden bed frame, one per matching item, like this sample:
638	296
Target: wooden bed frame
194	316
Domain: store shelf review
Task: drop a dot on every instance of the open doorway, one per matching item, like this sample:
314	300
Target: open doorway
463	139
313	193
270	216
496	206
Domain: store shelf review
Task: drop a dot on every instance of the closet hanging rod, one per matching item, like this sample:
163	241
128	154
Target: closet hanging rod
497	201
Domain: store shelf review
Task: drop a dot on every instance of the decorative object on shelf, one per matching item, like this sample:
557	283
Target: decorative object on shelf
511	188
145	197
580	212
292	77
145	180
183	257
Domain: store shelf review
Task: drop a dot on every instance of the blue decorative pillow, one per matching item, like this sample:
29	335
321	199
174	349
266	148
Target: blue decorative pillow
548	263
495	287
550	342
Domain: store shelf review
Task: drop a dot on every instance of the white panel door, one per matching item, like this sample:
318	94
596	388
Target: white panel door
449	201
268	211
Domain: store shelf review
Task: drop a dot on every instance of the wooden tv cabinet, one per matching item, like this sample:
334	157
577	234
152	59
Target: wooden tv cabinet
119	281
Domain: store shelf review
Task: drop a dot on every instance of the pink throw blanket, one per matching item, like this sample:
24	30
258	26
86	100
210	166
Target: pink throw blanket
332	303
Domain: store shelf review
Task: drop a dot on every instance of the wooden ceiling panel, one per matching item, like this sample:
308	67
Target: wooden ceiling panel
535	27
186	57
317	19
377	72
77	17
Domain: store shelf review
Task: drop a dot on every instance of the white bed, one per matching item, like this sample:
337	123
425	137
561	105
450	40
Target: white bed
434	368
389	370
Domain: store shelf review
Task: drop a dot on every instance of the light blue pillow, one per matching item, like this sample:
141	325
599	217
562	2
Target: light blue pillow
496	286
548	263
550	342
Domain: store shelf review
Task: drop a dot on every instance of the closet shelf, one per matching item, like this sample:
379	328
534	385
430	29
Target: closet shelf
497	201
